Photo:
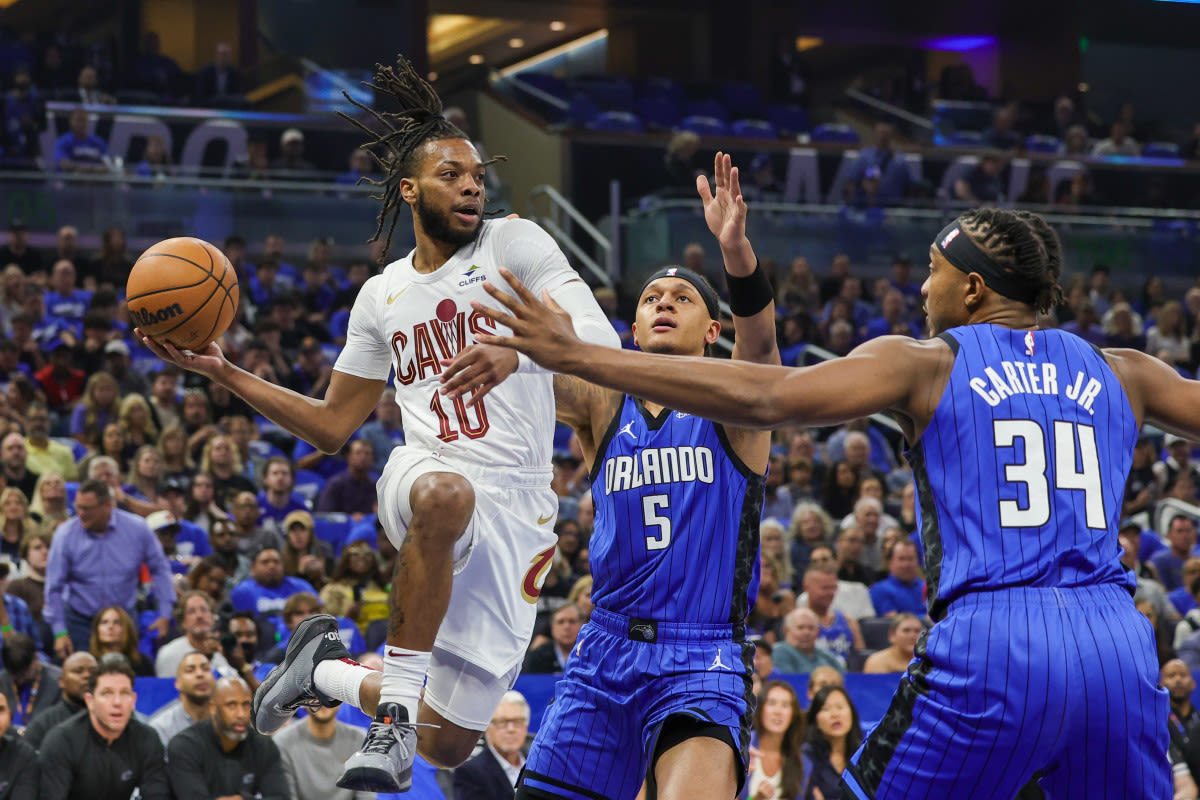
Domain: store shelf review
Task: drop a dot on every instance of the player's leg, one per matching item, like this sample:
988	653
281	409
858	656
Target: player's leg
589	745
695	759
438	513
1117	744
972	715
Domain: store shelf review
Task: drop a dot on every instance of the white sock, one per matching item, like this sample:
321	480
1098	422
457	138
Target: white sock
403	677
340	678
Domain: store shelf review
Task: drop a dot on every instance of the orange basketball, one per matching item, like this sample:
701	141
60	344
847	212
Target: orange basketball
183	291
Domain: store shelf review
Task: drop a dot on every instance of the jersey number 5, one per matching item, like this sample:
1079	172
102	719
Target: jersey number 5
650	505
1077	469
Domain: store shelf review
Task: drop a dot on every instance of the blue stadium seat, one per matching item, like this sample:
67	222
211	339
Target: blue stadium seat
331	351
706	108
743	100
753	129
964	139
662	88
261	448
339	323
78	448
582	109
609	92
308	484
72	487
332	527
835	132
1039	143
620	121
659	112
704	126
788	119
1161	150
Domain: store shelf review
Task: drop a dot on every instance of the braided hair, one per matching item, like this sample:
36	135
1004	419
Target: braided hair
400	136
1023	244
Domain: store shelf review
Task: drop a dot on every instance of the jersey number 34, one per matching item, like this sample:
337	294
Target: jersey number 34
1075	468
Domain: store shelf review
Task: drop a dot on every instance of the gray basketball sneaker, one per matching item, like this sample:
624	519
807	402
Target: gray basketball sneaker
384	764
290	685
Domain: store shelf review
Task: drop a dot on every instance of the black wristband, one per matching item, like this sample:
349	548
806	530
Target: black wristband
751	294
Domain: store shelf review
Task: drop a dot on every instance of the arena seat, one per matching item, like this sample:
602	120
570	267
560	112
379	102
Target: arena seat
964	139
78	448
308	484
788	119
875	632
753	129
1039	143
619	121
743	100
835	132
659	112
332	527
706	108
704	126
1161	150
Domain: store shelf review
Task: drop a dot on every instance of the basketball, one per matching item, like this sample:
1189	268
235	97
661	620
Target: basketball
183	291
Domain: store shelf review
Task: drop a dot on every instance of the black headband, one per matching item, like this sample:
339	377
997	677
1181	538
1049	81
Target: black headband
962	252
695	279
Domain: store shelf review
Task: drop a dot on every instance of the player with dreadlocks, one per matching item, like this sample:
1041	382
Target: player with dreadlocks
467	501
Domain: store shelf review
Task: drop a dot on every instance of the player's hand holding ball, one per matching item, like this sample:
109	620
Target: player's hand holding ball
182	294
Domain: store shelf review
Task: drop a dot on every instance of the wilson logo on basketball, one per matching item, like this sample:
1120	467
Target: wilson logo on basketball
145	316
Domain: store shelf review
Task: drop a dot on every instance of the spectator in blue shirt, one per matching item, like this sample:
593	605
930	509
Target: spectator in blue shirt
80	151
277	499
65	299
886	163
894	318
95	561
267	589
903	590
383	432
20	619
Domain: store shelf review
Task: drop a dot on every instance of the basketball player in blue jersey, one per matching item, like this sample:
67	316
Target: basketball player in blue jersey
1038	664
659	687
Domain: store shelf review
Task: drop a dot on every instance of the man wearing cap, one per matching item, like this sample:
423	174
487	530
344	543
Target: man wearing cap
291	159
166	527
117	364
18	251
1179	452
43	454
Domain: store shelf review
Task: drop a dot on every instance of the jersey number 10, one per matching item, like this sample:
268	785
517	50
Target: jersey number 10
446	430
1081	474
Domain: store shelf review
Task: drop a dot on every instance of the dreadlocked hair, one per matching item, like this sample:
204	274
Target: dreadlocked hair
400	135
1022	244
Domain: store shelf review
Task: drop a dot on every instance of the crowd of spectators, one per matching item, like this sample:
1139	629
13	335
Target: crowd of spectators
222	533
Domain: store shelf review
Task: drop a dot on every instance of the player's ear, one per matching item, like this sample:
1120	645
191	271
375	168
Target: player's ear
633	327
973	290
714	331
408	190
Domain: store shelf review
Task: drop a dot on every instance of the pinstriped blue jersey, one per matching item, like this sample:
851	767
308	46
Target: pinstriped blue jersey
1021	471
676	529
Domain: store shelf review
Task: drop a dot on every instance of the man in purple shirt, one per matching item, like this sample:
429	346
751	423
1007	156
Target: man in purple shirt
352	491
96	558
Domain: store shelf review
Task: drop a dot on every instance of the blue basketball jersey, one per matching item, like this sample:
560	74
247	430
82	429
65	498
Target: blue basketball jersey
1021	471
676	530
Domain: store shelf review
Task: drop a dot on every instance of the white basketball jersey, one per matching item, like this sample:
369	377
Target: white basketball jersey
413	321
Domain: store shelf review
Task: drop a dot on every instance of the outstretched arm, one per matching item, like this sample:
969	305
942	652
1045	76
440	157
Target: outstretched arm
725	212
882	375
326	423
1158	393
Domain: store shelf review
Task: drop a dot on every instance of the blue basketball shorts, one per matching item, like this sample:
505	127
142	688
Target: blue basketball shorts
624	679
1058	685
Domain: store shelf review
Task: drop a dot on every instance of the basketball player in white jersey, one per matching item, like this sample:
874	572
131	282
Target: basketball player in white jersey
467	501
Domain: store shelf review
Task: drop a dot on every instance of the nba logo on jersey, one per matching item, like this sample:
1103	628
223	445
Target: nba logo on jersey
1029	343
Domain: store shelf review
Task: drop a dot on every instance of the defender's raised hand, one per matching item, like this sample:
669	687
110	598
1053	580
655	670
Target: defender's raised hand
724	210
540	328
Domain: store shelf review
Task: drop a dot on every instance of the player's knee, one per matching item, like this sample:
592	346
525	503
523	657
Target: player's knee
442	499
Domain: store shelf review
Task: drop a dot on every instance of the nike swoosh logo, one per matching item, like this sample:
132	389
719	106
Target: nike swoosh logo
392	297
544	520
393	654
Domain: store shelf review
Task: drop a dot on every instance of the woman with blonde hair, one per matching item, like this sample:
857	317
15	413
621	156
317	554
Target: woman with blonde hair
176	458
221	459
774	543
358	588
15	523
99	405
113	631
581	596
137	421
810	527
49	504
144	479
